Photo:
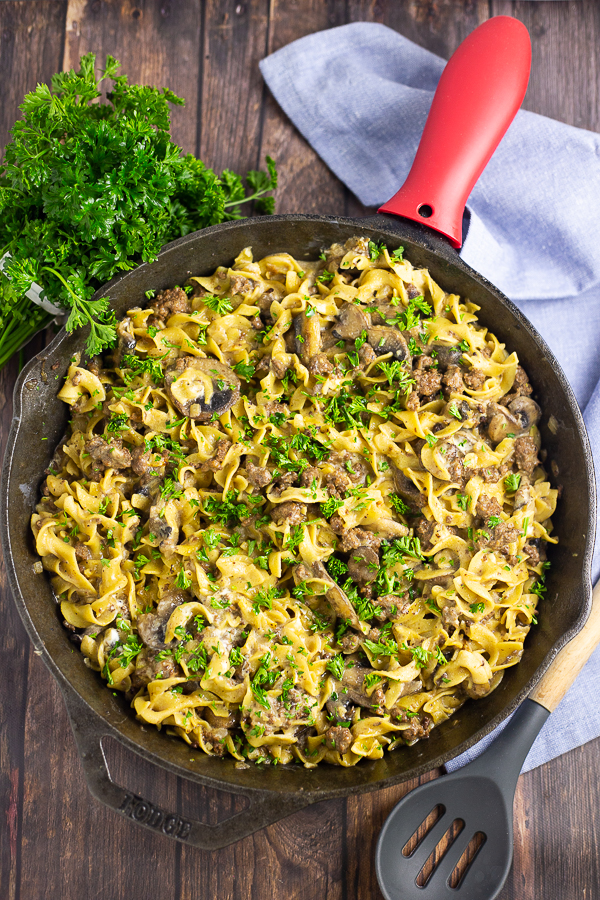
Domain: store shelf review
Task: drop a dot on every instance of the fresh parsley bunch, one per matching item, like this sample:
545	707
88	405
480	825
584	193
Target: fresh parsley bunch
90	189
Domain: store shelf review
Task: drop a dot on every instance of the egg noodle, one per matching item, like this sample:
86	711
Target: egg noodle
299	513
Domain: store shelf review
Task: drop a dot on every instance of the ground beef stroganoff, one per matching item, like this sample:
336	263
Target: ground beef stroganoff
299	513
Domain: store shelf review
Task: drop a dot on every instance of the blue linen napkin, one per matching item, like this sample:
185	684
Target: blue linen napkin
360	95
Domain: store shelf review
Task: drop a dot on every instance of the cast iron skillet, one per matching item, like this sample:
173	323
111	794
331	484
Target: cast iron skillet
39	423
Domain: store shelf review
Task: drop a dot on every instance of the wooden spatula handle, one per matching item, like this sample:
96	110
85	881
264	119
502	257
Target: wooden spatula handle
570	661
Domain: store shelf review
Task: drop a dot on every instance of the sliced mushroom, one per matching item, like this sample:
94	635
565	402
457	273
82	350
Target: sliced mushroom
388	340
337	597
459	410
363	565
522	494
152	626
502	424
448	356
526	411
352	687
436	459
389	528
412	291
351	323
339	708
307	330
408	491
202	388
126	340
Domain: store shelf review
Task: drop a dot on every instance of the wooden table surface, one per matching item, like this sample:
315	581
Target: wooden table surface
55	841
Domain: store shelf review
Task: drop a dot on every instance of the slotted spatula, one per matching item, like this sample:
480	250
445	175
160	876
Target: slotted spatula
481	795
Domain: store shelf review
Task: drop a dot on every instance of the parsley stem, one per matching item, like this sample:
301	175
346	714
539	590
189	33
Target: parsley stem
15	338
254	196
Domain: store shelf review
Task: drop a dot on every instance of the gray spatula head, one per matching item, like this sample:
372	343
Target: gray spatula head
481	805
480	796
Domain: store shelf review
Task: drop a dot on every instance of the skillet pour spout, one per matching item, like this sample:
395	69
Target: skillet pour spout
40	421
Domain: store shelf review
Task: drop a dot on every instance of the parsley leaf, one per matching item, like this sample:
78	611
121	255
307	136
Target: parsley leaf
512	481
336	666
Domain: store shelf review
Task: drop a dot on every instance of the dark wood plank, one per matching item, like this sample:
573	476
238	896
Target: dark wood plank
365	816
31	39
234	40
557	823
439	26
565	69
72	846
299	857
30	51
305	183
156	43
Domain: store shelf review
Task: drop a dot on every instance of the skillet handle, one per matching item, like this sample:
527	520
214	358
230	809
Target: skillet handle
476	99
262	810
563	671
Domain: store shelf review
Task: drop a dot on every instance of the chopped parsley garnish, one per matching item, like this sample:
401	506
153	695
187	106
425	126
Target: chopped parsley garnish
396	372
235	657
245	370
319	623
512	481
421	656
336	666
294	538
263	599
310	445
171	489
198	661
398	504
477	607
330	507
212	539
117	422
125	652
150	365
382	647
336	567
277	419
359	341
183	581
220	305
375	250
263	681
325	276
346	409
227	511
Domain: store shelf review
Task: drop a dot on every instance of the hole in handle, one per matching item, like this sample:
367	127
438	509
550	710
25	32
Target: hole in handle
425	210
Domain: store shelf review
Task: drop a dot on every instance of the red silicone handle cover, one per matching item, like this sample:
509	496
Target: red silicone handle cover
476	99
